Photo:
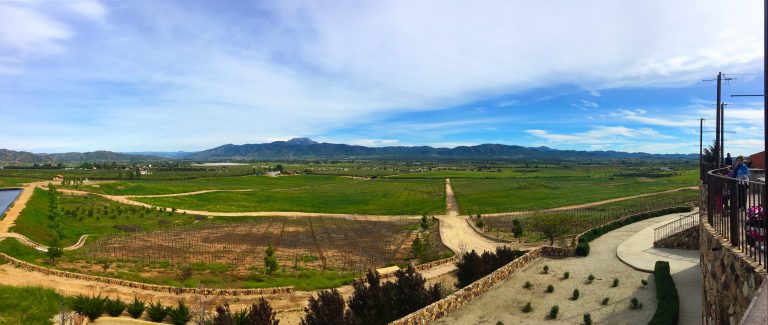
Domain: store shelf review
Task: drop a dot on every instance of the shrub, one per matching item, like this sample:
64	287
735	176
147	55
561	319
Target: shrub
479	223
262	313
517	229
550	288
566	275
157	312
587	319
582	249
667	299
379	302
590	278
527	285
575	295
327	308
634	303
270	261
605	301
644	283
185	272
92	307
114	307
136	308
527	308
472	266
546	269
615	283
553	312
499	323
179	315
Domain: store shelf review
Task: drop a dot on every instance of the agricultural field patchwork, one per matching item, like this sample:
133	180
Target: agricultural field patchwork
522	194
340	195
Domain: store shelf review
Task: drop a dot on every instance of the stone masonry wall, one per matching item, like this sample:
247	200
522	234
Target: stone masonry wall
730	279
144	286
686	239
462	296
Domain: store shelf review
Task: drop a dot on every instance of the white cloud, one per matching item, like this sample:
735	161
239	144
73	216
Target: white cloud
91	9
375	142
639	116
603	135
27	32
594	93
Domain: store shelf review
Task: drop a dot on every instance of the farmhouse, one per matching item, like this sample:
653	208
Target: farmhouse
274	173
58	178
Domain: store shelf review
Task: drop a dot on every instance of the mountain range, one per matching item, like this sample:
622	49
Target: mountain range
304	148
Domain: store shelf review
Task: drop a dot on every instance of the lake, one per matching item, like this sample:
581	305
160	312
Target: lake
7	196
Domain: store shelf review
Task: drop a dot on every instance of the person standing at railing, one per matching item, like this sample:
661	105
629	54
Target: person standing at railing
741	172
728	160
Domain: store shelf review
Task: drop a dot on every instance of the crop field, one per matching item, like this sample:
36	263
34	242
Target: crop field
147	187
582	219
115	174
310	243
338	195
524	193
90	214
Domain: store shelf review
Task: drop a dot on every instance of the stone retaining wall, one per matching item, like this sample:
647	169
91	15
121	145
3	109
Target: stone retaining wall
144	286
429	265
731	279
686	239
461	297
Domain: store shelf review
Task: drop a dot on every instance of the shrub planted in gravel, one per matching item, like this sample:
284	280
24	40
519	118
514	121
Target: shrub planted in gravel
615	283
635	304
667	299
527	308
553	312
605	301
546	269
587	319
644	283
114	307
550	288
528	285
136	308
575	295
566	275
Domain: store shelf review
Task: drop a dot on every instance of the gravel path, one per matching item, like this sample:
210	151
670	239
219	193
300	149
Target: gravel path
504	301
456	233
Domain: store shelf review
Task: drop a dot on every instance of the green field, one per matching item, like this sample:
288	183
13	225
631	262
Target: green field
27	305
89	214
521	194
337	195
147	187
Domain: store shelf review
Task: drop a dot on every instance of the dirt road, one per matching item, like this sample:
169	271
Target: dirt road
456	233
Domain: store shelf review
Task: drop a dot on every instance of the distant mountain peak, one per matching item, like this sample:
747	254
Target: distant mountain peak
301	141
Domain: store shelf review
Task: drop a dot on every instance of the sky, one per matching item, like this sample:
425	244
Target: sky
162	75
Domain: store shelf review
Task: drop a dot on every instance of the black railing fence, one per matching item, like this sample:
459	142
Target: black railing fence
675	226
734	208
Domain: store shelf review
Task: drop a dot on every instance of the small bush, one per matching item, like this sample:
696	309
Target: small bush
590	278
527	308
667	299
582	249
605	301
546	269
114	307
566	275
136	308
499	323
185	272
262	313
479	223
550	288
553	312
644	283
575	295
179	315
528	285
634	303
587	319
92	307
327	308
615	283
157	312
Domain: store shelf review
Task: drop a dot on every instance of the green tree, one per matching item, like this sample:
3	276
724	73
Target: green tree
270	261
551	226
55	251
517	230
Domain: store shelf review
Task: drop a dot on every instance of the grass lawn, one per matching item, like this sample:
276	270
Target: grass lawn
521	194
27	305
378	196
13	182
154	187
89	214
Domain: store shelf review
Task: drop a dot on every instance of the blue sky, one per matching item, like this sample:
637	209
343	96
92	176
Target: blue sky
190	75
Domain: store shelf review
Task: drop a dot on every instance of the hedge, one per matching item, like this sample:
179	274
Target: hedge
667	300
582	249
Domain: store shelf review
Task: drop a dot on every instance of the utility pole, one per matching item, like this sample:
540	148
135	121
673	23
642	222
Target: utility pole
718	117
701	146
722	131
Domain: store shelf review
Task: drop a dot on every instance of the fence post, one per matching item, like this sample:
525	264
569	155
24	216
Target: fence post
734	211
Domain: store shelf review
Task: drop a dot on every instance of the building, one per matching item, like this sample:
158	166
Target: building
758	160
274	173
58	178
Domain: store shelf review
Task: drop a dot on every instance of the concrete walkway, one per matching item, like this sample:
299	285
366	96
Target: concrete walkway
638	252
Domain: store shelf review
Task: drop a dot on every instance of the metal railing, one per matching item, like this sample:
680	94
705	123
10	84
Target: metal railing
735	210
675	226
